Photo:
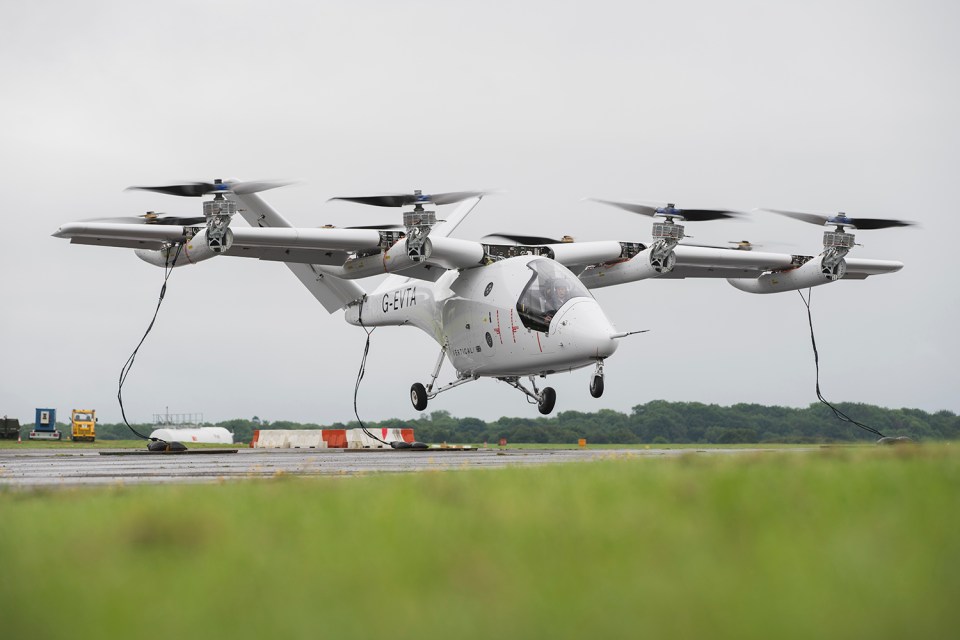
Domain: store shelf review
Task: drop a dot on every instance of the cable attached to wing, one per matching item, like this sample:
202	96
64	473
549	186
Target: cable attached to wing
816	361
156	444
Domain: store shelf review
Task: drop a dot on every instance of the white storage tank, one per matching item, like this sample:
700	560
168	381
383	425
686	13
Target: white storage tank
214	435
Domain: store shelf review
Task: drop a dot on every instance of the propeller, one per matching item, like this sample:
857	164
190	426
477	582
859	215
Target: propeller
374	227
843	219
529	240
693	215
199	189
738	245
152	217
417	197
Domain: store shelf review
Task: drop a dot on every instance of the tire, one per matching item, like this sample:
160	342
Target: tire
418	396
548	398
596	386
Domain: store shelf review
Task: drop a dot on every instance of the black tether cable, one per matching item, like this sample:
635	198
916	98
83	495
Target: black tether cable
363	368
816	361
125	371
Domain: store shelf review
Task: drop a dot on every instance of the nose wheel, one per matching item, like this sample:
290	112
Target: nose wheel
596	381
596	386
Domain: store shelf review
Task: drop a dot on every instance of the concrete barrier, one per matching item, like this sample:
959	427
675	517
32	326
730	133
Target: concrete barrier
327	438
288	439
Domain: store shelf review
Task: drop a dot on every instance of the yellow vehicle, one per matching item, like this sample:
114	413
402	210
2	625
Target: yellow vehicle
83	423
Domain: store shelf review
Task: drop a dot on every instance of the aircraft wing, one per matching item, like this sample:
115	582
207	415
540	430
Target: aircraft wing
310	252
113	234
148	236
709	262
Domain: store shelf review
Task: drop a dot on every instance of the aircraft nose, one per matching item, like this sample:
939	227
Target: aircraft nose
585	327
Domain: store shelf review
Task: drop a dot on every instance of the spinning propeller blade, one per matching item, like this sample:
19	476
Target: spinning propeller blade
526	240
375	227
693	215
151	217
842	218
199	189
404	199
738	245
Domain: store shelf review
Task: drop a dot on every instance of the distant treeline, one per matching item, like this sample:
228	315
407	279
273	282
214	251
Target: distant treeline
656	422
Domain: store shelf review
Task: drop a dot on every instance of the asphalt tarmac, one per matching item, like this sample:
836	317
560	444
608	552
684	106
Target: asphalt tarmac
29	468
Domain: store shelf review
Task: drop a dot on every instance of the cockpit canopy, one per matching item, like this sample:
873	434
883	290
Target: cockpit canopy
550	286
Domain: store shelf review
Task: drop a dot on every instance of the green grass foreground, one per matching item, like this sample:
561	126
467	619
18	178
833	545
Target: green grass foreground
837	543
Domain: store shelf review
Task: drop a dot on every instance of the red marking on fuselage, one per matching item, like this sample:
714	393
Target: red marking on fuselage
513	327
497	330
538	341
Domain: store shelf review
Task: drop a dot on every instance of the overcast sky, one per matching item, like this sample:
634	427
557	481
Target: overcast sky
812	106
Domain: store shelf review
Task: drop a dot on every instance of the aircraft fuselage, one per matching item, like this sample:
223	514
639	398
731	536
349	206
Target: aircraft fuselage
478	314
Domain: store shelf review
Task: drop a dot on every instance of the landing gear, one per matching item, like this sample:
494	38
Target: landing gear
596	382
418	396
596	386
548	398
545	400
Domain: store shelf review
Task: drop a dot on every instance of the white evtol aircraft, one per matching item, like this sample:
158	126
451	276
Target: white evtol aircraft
504	311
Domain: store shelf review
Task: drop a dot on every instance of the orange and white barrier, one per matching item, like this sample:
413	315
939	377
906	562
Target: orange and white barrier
327	438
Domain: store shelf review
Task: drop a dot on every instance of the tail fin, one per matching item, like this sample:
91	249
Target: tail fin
332	292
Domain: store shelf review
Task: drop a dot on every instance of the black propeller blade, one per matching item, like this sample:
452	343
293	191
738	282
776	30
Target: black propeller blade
155	218
375	227
199	189
189	190
524	240
842	218
693	215
738	245
404	199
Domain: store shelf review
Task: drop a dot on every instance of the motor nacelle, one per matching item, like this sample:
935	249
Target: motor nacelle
814	272
640	267
218	213
453	253
192	251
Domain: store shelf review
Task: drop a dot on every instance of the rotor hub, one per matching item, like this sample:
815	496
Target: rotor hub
219	206
839	239
668	230
419	217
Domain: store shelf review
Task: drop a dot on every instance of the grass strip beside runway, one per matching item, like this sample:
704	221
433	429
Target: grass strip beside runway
835	543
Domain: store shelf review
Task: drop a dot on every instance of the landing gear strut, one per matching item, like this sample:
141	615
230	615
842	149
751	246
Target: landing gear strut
419	394
596	381
545	399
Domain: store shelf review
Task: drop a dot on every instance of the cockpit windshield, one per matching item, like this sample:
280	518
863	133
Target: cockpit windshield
550	286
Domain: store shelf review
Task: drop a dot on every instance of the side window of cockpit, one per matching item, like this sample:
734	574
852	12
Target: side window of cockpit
549	288
530	304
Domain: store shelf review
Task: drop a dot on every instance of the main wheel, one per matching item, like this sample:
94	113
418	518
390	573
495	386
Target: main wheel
418	396
596	386
548	398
